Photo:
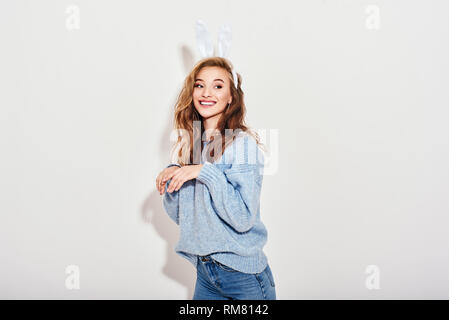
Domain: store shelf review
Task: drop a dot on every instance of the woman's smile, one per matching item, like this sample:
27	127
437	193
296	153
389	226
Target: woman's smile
207	103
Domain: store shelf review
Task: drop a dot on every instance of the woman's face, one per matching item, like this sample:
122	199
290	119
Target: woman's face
211	85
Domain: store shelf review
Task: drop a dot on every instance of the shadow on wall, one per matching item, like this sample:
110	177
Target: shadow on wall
153	212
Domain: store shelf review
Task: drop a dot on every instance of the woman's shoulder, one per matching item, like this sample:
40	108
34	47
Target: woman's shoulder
243	150
244	137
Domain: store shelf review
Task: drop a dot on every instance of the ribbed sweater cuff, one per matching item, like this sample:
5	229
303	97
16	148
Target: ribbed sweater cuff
209	174
173	164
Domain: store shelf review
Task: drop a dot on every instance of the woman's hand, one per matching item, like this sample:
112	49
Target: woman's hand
163	177
183	174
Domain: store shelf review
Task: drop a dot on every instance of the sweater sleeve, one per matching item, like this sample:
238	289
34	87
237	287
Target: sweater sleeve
235	193
171	200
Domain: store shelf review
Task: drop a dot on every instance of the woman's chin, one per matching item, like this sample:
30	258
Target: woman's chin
208	113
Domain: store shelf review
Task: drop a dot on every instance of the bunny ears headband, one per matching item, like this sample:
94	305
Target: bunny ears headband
206	48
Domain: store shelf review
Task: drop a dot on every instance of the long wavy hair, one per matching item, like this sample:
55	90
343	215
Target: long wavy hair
189	124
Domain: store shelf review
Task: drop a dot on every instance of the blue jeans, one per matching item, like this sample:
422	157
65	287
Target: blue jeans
215	281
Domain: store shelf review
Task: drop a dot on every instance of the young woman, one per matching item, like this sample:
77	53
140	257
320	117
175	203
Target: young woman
214	195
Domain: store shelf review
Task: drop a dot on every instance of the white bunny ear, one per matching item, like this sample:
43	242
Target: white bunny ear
224	40
204	40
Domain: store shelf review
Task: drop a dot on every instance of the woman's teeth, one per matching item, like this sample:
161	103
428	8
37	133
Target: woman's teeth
207	103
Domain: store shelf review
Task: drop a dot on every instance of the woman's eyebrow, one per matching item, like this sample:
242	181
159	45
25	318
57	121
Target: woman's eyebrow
214	80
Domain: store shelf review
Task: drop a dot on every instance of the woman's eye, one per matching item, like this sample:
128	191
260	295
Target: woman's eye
201	85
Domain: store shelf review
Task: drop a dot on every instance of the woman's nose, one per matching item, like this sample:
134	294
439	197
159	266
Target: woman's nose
206	93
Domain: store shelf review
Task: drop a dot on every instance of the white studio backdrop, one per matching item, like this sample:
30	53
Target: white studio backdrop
354	92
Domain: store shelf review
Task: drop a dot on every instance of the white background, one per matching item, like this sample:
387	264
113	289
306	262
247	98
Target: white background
363	144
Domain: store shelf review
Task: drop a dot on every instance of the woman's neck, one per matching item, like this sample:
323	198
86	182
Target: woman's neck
210	124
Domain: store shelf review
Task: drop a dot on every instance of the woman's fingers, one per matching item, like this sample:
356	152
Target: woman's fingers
164	176
162	184
180	185
158	182
182	180
167	177
164	180
160	187
176	182
172	183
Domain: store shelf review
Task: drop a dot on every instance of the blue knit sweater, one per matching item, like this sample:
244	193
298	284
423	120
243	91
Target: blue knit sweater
219	212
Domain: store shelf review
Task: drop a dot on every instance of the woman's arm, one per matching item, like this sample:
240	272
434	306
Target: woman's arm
235	192
235	196
171	200
171	203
